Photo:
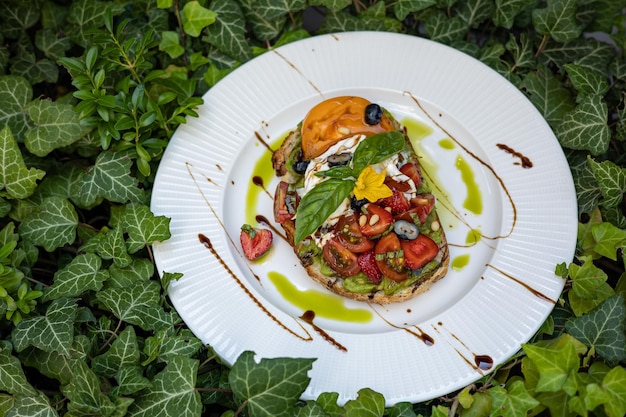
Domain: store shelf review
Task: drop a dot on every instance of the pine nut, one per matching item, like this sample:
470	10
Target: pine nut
343	130
374	219
434	226
362	220
388	209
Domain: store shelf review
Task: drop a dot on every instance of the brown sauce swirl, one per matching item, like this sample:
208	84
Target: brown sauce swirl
525	162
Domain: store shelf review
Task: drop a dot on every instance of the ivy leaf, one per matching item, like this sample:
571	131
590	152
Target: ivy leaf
587	81
548	95
588	192
333	5
170	43
585	127
18	17
507	10
556	364
402	8
15	94
558	19
108	178
196	17
52	226
12	378
173	392
138	304
271	387
123	351
167	347
56	126
475	12
368	403
35	70
613	384
130	380
328	401
85	15
143	227
36	405
603	329
444	29
310	409
51	364
611	180
52	332
16	179
228	33
84	393
111	245
140	270
267	17
514	401
82	274
609	239
52	44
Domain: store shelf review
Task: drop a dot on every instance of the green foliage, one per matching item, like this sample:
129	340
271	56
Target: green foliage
90	94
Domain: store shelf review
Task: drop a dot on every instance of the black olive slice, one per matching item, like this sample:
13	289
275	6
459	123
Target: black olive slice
339	159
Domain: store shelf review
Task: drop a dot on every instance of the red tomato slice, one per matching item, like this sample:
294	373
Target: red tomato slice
419	251
378	220
340	259
349	235
389	258
412	171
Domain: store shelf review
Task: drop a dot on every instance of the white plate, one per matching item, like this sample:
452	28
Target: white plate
494	298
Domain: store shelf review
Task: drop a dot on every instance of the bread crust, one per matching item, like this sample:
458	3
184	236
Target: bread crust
335	283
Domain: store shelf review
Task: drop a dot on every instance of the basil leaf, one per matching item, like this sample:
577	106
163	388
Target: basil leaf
342	171
318	204
375	149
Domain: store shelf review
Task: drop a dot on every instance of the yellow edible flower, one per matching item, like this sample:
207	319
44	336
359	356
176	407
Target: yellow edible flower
370	185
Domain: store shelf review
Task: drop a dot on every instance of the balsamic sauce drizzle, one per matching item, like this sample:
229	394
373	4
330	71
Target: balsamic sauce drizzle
525	162
480	363
295	68
308	317
523	284
475	157
204	240
418	333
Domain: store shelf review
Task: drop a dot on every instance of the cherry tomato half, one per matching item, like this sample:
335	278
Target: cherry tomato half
389	257
419	251
378	220
349	235
340	259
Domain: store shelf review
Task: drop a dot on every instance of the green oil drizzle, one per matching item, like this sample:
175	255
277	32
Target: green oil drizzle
447	144
473	237
460	262
325	305
264	170
473	202
416	131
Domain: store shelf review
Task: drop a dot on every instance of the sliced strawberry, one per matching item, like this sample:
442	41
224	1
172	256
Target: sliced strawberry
397	202
255	242
367	262
412	171
421	206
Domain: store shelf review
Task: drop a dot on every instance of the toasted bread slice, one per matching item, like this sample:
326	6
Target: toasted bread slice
313	262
